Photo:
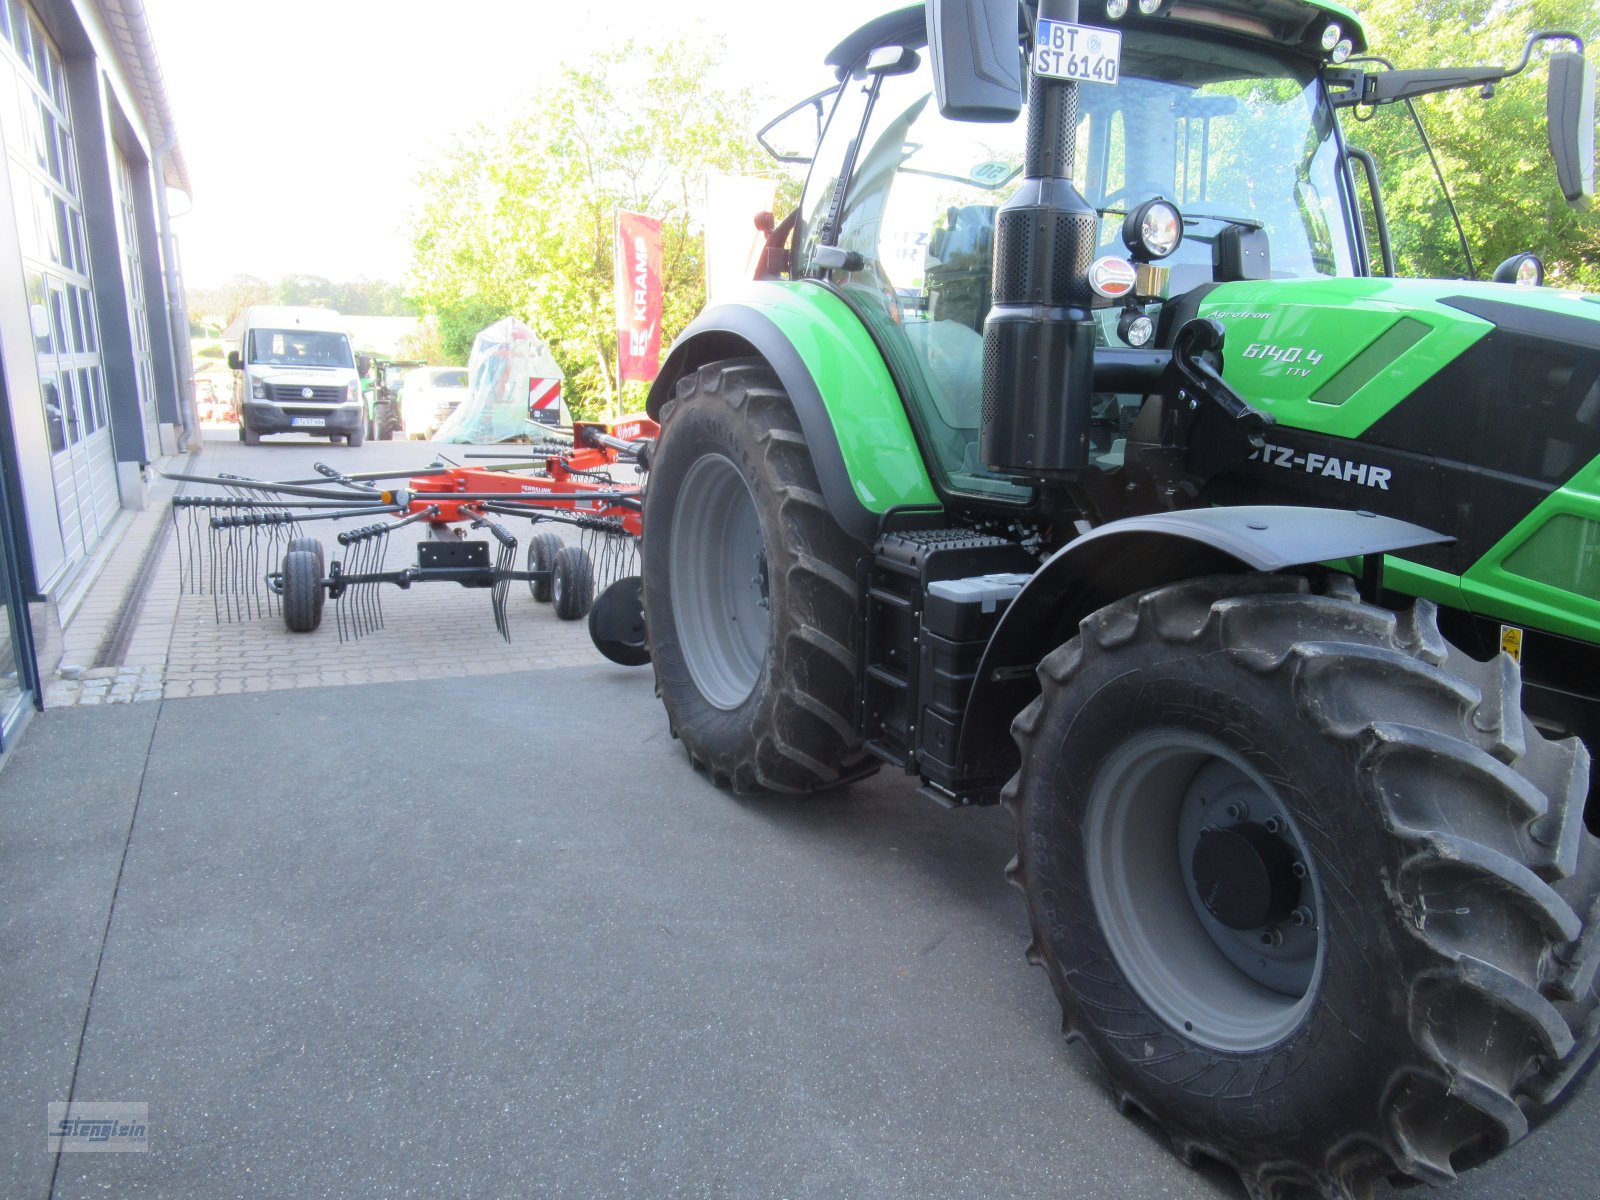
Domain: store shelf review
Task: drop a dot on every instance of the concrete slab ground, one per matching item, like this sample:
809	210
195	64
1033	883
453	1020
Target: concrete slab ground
493	937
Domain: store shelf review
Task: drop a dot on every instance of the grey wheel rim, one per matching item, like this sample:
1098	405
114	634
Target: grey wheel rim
718	581
1237	989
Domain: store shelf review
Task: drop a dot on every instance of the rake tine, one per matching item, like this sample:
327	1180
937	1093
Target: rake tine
364	604
338	604
358	606
377	589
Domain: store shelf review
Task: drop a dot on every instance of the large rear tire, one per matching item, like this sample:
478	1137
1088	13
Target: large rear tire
1307	882
750	592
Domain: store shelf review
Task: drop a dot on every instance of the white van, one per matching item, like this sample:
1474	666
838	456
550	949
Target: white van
297	374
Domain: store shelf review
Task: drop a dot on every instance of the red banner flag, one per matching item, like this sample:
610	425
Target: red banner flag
638	296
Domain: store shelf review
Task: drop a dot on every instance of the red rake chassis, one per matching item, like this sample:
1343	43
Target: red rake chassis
567	486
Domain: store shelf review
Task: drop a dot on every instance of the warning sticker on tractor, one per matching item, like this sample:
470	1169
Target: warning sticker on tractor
1079	52
1511	641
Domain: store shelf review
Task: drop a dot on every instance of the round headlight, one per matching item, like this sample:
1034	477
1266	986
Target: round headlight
1135	328
1116	9
1331	35
1148	7
1153	230
1343	50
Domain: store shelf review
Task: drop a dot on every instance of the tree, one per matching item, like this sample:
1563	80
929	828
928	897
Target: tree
221	305
518	219
1493	153
362	297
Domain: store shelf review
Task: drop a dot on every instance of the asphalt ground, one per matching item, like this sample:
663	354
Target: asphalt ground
492	936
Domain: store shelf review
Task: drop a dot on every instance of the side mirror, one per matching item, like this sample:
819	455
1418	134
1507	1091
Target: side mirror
235	363
794	134
1523	269
1241	253
977	59
1569	110
363	365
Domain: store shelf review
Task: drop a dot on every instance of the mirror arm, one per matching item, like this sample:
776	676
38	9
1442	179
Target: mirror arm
1386	87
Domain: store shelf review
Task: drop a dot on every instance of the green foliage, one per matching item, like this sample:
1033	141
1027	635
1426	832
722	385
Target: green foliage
518	219
1494	153
358	298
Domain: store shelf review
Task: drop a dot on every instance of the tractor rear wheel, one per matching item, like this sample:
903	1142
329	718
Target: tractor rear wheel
749	589
1308	883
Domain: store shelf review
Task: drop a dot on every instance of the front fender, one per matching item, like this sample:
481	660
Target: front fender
1135	555
853	418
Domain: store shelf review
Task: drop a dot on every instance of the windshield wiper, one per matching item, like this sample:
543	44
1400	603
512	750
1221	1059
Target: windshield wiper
1246	222
1191	217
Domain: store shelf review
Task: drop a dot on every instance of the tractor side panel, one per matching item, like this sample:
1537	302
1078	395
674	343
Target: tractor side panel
1473	409
847	402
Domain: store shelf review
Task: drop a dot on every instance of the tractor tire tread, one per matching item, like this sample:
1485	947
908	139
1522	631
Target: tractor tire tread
1511	839
804	737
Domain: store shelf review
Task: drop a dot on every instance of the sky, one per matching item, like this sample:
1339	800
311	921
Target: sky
305	122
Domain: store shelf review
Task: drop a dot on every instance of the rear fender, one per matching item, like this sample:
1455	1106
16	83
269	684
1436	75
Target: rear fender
854	421
1136	555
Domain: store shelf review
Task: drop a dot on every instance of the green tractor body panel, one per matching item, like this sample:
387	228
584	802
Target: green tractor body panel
1447	403
1333	355
862	410
864	407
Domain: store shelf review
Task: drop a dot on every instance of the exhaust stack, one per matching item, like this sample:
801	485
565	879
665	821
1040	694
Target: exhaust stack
1038	339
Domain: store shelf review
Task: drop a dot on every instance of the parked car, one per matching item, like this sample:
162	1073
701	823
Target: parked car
427	396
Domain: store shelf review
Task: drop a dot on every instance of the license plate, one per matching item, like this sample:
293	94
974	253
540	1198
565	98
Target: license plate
1080	52
309	422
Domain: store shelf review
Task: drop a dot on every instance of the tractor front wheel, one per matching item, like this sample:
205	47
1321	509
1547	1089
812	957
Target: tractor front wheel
749	589
1307	882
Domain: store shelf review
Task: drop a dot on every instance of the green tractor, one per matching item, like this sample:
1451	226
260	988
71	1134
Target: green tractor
381	388
1078	451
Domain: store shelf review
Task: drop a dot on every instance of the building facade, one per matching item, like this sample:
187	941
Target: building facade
92	330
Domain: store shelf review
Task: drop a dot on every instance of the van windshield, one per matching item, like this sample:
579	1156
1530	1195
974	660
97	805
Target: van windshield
299	348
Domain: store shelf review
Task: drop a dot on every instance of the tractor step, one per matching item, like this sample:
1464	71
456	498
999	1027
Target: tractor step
933	599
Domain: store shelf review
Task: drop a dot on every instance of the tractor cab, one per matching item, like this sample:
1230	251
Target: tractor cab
1207	151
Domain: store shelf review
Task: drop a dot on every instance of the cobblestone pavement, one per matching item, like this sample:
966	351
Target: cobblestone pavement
170	644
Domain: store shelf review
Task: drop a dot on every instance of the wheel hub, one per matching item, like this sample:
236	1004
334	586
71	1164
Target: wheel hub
1202	891
1244	875
720	583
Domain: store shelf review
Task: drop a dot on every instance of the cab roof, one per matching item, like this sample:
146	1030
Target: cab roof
1295	24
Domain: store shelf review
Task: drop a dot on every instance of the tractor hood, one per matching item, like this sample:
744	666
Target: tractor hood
1340	355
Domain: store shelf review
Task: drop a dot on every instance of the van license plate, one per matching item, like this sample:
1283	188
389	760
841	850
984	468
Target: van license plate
1079	52
309	422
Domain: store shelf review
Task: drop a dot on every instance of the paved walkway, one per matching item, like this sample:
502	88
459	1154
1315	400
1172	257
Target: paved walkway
136	637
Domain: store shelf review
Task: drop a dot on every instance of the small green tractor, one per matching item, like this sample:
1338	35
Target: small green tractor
1079	451
381	388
